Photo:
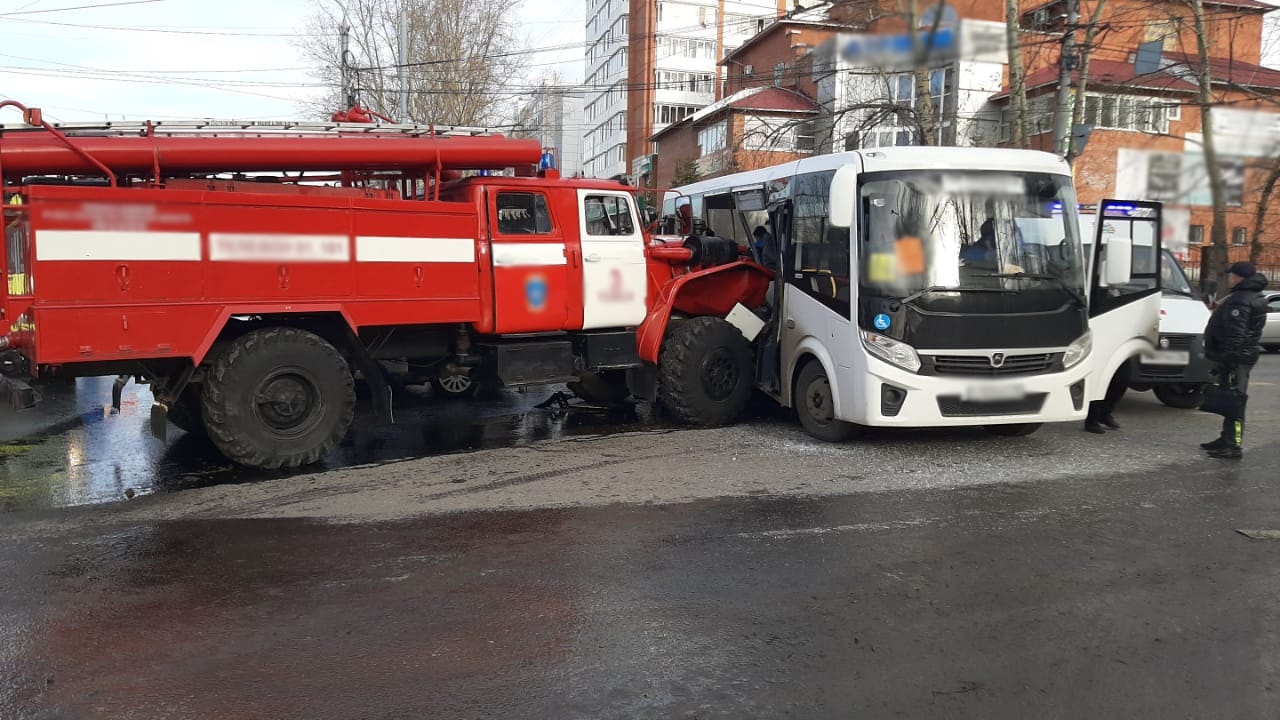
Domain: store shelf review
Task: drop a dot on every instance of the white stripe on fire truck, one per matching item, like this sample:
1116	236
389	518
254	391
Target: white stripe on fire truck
370	248
116	245
281	247
526	254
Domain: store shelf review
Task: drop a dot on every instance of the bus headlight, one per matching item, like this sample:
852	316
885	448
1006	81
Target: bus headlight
1078	351
890	350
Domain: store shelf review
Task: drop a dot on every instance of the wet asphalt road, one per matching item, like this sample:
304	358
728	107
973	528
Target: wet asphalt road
73	450
744	572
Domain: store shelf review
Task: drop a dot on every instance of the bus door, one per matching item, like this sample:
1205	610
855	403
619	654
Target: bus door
769	356
1124	302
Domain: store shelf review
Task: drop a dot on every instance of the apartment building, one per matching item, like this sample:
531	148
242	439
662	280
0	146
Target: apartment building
1143	116
555	118
651	63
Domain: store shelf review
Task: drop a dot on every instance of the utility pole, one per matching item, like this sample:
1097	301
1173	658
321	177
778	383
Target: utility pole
1067	63
344	35
403	65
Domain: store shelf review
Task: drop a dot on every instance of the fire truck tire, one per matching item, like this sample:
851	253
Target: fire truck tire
608	387
278	398
816	408
705	372
185	414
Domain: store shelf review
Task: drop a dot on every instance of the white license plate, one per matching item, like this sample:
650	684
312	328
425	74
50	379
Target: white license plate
1166	357
994	392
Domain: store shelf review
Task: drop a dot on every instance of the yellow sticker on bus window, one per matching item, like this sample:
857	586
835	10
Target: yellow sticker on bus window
882	267
910	251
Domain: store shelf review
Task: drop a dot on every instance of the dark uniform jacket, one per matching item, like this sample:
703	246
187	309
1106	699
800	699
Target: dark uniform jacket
1235	328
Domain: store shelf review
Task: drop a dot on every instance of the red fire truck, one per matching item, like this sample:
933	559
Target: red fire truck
251	274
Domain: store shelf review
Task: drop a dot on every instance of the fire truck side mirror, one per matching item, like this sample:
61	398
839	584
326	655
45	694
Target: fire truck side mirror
33	116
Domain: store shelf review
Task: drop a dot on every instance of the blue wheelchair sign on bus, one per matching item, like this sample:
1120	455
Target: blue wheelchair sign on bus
882	321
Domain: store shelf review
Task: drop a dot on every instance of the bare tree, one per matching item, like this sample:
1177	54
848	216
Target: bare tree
1021	133
1082	86
1217	188
459	57
1272	170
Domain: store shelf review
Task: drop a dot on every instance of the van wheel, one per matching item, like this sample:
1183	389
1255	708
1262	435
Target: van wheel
278	398
454	382
1015	430
1184	396
815	405
705	372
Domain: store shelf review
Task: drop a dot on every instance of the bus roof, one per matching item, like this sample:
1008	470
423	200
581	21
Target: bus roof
887	159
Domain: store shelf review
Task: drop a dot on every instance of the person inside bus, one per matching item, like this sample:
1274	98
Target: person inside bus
766	248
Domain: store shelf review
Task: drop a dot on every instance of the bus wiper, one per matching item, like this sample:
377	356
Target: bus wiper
1035	276
943	288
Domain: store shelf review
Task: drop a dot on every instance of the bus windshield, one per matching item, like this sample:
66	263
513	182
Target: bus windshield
926	232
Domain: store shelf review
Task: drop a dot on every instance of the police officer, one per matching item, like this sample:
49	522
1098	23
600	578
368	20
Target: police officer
1231	342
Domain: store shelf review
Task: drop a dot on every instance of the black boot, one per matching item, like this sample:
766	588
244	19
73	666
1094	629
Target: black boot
1215	444
1094	427
1110	422
1230	452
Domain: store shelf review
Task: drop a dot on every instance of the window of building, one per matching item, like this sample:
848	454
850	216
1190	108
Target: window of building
523	214
608	215
1130	112
1196	235
667	114
1238	235
778	71
713	138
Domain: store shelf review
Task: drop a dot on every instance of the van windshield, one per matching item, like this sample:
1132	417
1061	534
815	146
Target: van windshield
1172	278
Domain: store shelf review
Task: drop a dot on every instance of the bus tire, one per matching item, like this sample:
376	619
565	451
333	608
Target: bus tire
1184	396
815	406
705	372
278	397
1014	430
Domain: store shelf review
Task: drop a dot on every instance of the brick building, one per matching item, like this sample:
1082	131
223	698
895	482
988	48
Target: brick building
1145	119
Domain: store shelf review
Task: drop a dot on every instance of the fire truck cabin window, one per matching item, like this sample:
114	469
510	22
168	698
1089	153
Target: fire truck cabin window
521	213
608	215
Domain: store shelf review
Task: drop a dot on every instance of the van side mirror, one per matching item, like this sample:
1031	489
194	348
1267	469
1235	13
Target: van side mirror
1117	268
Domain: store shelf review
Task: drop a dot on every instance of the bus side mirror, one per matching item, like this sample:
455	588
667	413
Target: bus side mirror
844	192
1117	264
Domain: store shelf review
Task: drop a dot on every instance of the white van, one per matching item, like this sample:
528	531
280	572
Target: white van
1177	371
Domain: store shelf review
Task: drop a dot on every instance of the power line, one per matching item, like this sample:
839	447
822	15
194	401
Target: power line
79	7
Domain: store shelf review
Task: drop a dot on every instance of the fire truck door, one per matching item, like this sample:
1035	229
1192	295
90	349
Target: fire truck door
530	263
613	267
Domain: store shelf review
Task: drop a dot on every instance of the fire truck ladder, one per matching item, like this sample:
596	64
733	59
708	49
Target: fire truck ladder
257	128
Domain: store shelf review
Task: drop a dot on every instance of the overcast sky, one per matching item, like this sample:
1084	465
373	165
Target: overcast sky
169	59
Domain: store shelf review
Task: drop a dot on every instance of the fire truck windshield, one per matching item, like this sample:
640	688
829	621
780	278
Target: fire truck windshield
996	240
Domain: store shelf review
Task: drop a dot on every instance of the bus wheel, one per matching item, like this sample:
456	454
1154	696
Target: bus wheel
705	372
278	398
607	387
1184	396
1015	430
816	408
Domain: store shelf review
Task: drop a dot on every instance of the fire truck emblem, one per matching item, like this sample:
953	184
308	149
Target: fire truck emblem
617	291
535	293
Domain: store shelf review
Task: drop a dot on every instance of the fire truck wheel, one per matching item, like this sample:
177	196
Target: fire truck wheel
278	397
705	372
185	414
608	387
454	382
816	407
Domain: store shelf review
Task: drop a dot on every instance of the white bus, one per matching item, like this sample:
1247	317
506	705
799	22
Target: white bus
927	287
